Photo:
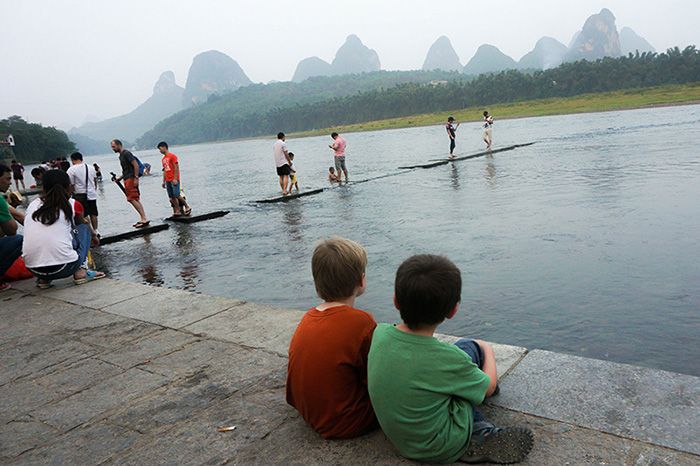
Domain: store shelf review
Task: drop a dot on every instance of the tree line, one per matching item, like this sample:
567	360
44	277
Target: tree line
221	120
33	142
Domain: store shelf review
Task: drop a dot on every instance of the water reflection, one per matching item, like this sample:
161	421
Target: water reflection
149	257
490	173
186	250
292	220
454	176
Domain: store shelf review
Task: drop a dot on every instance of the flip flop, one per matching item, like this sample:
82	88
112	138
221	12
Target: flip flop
43	285
141	224
188	211
91	275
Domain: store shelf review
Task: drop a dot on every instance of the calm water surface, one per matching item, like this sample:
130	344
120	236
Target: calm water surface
586	242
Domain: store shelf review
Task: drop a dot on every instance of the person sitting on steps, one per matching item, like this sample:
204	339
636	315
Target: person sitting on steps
56	236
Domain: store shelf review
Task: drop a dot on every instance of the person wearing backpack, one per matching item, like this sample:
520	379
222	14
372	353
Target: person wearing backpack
84	181
132	168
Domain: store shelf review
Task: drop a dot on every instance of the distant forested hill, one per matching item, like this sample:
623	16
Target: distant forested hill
235	113
33	142
318	103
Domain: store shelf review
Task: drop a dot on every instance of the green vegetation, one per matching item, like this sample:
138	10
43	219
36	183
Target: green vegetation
606	101
33	142
262	110
236	114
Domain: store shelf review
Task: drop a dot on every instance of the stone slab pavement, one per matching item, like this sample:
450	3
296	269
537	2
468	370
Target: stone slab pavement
119	373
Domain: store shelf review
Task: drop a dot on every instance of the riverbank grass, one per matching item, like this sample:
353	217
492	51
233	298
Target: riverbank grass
585	103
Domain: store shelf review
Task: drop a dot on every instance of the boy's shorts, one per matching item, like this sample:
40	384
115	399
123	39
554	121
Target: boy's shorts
132	191
172	189
340	164
473	350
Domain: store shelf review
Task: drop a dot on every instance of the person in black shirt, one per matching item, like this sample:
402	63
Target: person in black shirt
451	132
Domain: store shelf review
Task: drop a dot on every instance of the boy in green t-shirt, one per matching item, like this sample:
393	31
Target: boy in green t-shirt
423	391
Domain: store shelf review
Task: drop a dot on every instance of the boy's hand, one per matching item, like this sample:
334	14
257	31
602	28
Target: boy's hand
163	185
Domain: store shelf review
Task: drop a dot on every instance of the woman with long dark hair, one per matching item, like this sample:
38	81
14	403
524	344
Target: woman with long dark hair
56	236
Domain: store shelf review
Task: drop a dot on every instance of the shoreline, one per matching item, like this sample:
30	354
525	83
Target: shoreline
533	108
126	373
658	96
435	118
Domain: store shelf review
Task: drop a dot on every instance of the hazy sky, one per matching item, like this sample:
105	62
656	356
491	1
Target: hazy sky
66	59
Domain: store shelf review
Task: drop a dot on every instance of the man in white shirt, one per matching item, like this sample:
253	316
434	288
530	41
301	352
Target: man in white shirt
283	162
84	181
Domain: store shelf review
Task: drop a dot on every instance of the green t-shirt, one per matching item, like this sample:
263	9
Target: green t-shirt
422	392
5	215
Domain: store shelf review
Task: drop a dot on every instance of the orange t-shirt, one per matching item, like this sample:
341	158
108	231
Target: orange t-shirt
327	371
169	161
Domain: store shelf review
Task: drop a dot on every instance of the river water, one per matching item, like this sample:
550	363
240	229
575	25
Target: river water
586	242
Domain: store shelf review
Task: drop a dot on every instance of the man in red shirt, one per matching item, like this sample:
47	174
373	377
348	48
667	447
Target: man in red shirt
171	181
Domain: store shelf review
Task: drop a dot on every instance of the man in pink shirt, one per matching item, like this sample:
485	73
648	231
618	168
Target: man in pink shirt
339	147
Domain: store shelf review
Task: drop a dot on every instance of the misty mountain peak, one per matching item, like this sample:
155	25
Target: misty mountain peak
548	53
166	83
597	39
212	72
312	66
489	59
442	56
355	57
631	42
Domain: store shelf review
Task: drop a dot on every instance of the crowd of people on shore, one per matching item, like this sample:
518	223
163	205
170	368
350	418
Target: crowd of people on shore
61	225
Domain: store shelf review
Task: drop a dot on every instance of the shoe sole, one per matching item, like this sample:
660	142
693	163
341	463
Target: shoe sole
510	445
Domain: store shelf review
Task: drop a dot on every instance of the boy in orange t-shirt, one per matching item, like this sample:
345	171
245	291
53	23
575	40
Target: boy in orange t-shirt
327	371
171	181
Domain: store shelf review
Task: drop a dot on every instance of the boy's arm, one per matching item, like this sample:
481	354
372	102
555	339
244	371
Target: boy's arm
176	172
489	366
464	379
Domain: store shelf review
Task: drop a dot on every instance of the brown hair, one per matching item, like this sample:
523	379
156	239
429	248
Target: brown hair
337	266
427	288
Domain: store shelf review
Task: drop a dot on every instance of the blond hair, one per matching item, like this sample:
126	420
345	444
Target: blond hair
338	265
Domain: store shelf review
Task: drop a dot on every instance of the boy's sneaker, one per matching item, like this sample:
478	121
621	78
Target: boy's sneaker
491	444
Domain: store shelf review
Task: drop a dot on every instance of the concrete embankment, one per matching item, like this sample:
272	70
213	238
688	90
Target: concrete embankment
118	373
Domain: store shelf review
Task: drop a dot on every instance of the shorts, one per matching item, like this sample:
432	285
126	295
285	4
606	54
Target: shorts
91	208
18	177
472	349
293	178
340	164
173	189
284	170
132	191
